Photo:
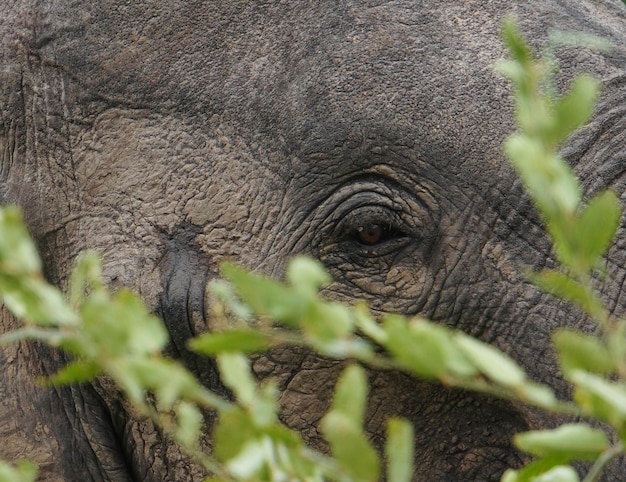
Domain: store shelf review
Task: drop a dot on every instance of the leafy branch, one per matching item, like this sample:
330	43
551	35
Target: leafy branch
581	234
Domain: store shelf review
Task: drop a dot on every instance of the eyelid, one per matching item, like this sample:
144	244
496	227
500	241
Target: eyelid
359	201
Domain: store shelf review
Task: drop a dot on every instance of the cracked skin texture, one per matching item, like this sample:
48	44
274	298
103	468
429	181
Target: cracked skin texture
170	135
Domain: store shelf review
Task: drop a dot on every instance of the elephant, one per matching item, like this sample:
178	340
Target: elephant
171	135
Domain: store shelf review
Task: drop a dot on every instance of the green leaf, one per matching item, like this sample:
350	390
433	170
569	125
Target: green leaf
225	293
75	372
128	325
22	471
281	435
561	473
547	178
424	348
574	109
601	398
399	450
595	229
52	336
250	461
578	351
341	426
33	299
516	44
170	380
85	278
575	441
367	325
267	297
232	431
307	275
235	374
190	423
351	394
494	364
511	69
539	395
18	255
562	286
146	333
417	349
325	323
616	343
237	340
534	469
511	475
265	409
561	38
128	381
350	447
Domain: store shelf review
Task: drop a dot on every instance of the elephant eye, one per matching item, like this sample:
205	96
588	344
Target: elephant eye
373	233
372	219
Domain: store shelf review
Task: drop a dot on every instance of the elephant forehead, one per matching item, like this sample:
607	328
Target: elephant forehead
168	171
302	78
263	62
216	55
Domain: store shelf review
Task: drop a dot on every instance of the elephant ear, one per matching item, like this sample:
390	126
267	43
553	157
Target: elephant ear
32	109
14	179
26	417
14	42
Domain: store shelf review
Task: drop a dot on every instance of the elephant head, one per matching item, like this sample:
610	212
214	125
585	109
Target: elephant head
170	135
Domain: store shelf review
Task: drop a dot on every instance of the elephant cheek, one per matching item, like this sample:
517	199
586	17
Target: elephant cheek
458	436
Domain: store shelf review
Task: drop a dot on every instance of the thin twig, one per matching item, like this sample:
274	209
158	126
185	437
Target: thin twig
602	461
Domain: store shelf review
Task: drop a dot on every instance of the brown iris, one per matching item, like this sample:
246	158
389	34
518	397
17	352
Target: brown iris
371	234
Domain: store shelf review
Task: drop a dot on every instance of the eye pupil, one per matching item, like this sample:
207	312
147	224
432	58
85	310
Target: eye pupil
370	234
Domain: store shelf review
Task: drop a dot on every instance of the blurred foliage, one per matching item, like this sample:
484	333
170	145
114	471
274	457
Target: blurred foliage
581	233
257	313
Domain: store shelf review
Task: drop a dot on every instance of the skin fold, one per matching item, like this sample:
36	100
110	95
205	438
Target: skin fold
171	135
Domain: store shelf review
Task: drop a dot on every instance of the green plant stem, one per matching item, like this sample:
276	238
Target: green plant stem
50	336
327	465
207	399
602	461
481	386
376	361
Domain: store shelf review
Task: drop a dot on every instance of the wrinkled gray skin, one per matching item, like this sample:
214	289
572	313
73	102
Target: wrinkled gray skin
170	135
